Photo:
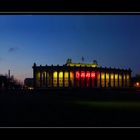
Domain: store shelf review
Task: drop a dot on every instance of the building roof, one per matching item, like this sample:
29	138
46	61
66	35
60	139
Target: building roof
81	64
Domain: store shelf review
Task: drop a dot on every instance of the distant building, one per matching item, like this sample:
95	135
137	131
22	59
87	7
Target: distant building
28	83
80	75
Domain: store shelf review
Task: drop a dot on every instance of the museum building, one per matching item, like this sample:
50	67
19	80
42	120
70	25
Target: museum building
80	75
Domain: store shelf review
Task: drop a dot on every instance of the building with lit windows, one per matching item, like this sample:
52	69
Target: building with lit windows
80	75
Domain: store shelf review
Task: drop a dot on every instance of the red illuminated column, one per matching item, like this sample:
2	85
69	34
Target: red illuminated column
77	74
87	78
80	77
84	78
92	74
85	81
90	80
93	78
77	78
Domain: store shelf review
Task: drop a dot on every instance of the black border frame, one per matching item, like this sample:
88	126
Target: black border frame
69	8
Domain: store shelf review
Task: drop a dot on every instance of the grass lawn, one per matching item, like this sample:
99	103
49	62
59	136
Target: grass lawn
129	105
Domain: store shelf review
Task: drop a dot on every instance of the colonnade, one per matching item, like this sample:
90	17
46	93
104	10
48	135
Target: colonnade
80	78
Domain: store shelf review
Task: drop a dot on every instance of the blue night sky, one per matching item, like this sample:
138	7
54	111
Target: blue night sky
113	40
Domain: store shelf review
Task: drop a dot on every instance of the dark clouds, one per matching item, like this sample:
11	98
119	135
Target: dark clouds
13	49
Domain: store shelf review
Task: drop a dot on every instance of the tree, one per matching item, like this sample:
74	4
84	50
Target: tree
137	75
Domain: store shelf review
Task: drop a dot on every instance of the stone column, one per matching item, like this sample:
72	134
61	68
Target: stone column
34	77
100	79
105	79
63	78
109	79
126	80
90	79
57	78
43	79
80	78
46	79
52	78
40	79
74	79
69	78
114	79
95	80
122	80
85	80
118	80
129	79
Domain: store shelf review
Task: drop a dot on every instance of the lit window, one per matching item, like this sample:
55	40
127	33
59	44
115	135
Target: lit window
112	76
102	76
83	74
77	74
88	74
55	74
116	76
60	74
93	74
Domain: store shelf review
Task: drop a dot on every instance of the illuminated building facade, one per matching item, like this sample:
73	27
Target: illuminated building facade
79	75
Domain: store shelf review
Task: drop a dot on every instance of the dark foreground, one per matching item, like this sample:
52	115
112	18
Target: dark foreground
70	108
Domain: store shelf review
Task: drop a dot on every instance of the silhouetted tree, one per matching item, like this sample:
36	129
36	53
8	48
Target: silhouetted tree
137	75
9	82
3	81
